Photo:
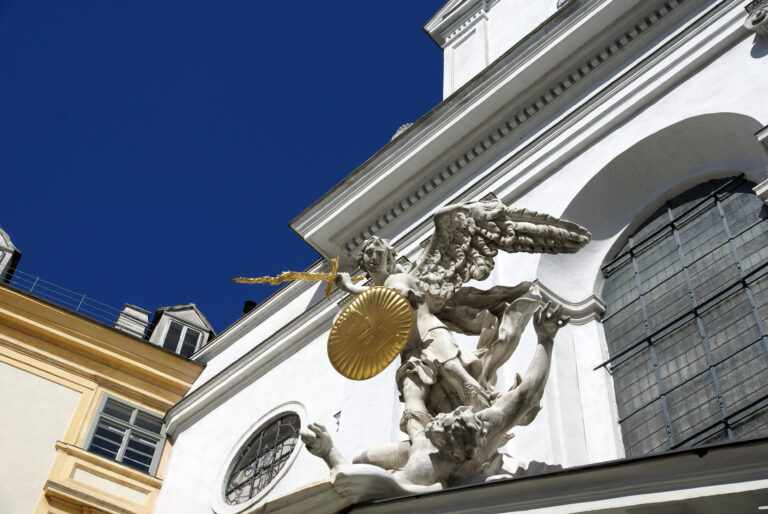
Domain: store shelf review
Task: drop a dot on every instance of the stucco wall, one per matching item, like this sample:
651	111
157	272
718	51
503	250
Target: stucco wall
34	414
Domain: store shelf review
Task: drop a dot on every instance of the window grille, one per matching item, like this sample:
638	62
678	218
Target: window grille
260	460
126	434
181	339
686	320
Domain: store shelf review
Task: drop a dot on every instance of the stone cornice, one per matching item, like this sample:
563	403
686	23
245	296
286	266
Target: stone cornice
109	464
454	18
520	118
274	303
504	80
654	72
51	334
615	486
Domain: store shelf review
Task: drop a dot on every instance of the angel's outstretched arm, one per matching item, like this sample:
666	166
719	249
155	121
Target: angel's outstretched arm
345	282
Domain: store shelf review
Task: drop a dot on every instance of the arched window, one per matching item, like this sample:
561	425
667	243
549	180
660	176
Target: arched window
686	321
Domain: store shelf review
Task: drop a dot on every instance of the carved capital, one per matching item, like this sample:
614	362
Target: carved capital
757	19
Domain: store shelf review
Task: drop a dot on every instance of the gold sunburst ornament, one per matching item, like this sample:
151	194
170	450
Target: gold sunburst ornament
370	332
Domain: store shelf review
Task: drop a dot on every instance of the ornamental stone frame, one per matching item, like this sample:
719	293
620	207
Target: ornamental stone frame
218	503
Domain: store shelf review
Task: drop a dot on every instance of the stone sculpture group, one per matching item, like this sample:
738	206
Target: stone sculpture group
454	418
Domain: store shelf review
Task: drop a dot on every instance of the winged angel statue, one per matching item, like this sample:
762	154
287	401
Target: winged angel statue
454	418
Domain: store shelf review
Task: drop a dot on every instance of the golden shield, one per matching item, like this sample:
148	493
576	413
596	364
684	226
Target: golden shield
370	332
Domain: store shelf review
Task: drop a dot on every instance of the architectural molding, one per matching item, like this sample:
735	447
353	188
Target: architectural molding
581	312
762	138
492	89
617	486
44	332
761	190
654	72
454	18
263	311
520	118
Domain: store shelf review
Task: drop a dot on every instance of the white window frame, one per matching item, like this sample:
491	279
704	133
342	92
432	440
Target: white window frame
184	328
130	428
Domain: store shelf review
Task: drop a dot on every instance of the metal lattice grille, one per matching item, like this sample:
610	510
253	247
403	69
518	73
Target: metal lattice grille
686	320
262	458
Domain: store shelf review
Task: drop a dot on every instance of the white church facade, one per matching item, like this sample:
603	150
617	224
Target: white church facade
644	121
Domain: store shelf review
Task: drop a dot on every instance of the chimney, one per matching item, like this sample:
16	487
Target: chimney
248	306
133	320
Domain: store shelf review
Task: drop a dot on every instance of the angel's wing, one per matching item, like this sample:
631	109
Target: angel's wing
468	236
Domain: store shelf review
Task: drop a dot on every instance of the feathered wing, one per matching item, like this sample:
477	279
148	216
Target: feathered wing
468	236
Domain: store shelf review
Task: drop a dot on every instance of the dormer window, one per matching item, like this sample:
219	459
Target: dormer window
182	339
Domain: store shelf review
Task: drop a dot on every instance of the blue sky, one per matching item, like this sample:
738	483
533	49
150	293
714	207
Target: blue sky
152	151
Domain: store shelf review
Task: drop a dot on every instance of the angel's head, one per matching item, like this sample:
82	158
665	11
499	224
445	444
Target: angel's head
458	434
377	255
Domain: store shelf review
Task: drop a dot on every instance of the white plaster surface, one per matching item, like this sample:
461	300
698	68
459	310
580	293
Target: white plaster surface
34	414
264	327
488	36
200	451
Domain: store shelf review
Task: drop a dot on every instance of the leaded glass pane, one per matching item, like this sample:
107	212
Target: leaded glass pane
686	313
678	359
261	459
641	434
635	379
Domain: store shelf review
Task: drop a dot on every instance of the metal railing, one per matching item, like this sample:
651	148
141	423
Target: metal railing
63	297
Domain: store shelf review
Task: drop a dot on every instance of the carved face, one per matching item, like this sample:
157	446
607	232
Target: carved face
377	256
458	434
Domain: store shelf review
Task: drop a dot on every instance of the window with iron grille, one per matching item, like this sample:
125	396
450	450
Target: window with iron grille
261	458
686	321
126	434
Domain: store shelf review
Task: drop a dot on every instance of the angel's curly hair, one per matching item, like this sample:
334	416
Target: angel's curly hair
391	253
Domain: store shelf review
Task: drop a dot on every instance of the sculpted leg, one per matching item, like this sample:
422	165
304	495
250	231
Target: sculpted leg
415	415
390	456
361	482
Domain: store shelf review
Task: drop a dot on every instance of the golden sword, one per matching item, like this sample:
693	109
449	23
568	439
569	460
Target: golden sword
286	276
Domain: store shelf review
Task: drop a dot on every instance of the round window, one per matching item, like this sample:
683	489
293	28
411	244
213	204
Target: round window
261	458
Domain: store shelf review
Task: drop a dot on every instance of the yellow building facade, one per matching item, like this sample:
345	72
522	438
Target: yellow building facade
81	411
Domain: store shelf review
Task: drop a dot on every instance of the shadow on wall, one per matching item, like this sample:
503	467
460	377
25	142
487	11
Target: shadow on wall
637	182
759	47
